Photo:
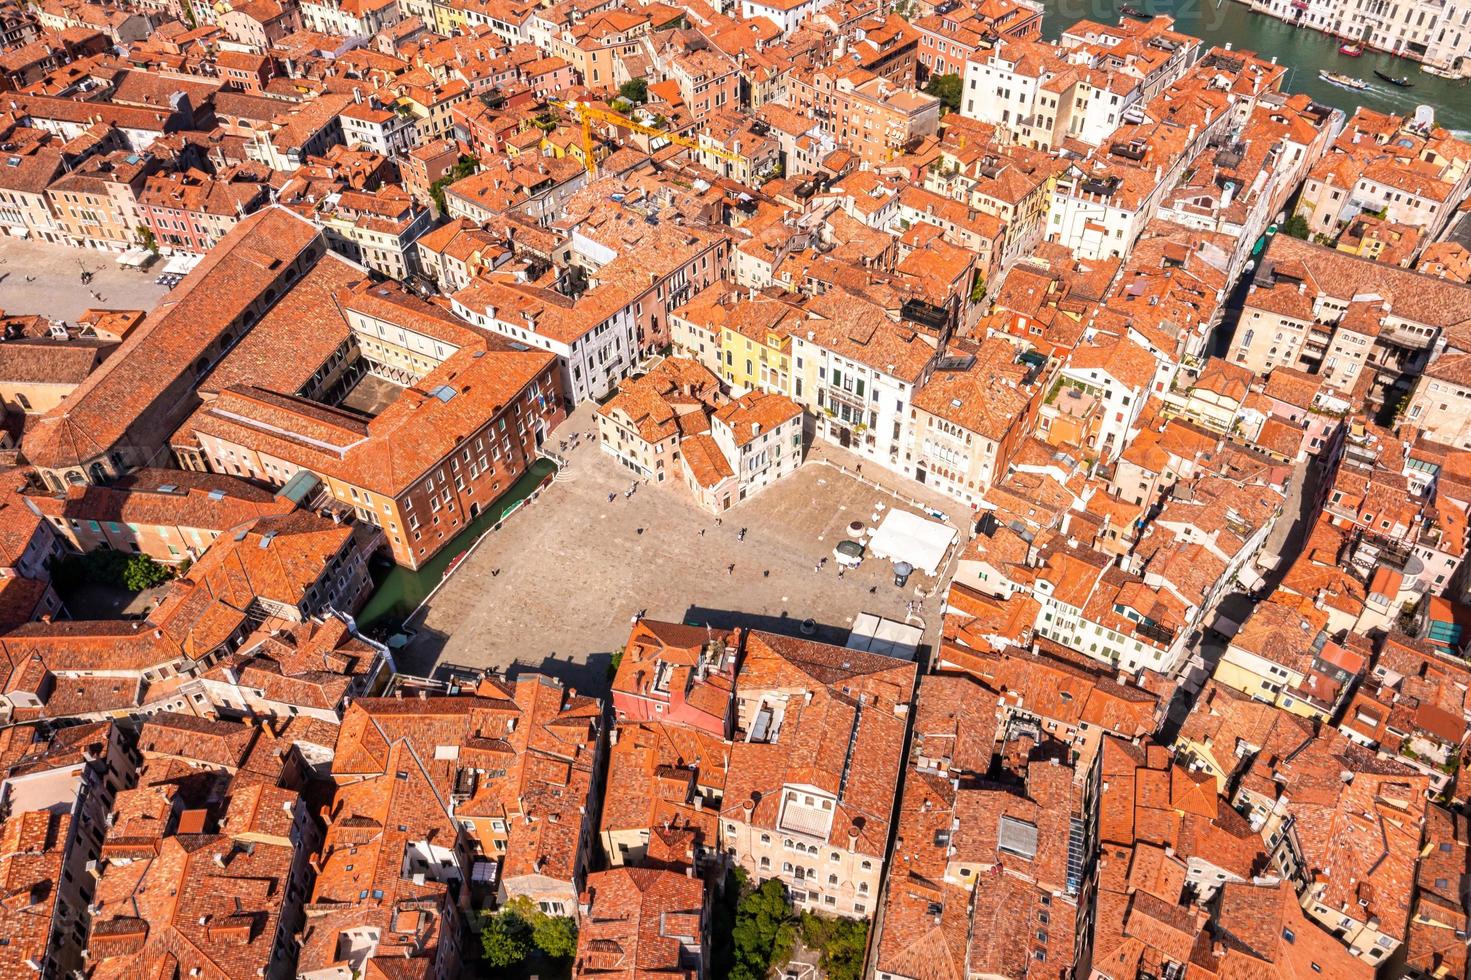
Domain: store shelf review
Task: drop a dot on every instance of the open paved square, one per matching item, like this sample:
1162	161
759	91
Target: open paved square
39	277
557	587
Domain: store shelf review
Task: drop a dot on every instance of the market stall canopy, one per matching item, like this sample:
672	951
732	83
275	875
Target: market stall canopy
906	537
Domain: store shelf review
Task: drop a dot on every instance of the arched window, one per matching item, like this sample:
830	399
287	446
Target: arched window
98	472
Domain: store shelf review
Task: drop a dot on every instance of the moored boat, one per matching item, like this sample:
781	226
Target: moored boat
1352	50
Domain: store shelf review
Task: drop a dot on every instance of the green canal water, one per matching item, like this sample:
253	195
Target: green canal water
1303	51
400	590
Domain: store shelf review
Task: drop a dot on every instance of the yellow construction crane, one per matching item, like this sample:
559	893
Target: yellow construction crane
585	113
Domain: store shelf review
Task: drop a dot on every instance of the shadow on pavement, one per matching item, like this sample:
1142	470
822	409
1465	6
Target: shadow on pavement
588	674
783	623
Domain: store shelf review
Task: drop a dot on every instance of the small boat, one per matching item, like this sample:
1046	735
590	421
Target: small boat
1441	72
1352	50
1345	81
1402	81
1134	12
454	563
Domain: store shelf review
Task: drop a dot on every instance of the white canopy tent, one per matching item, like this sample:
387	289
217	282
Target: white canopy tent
878	634
181	264
908	537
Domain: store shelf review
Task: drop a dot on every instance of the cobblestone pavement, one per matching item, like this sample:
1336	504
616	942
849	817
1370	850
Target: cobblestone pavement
57	291
557	587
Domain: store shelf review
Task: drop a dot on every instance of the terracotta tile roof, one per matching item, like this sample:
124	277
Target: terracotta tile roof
206	903
36	361
755	414
926	919
656	772
277	558
699	662
481	378
375	829
307	320
312	664
1282	632
130	389
207	501
846	740
1366	829
860	331
541	735
1439	912
1411	296
19	525
640	922
32	848
955	724
671	399
702	457
1254	921
987	399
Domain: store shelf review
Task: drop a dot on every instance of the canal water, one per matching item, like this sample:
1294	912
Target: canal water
400	590
1303	51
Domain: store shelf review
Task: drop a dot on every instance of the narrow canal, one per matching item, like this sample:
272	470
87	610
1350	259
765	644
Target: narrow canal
1303	51
400	590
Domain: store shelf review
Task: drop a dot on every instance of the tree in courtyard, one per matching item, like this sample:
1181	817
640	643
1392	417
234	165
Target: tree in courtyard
978	287
464	167
635	90
842	943
947	89
142	572
518	927
1297	227
505	938
555	935
765	929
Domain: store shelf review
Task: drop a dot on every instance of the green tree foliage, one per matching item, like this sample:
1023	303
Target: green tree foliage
142	572
1297	227
519	927
111	568
505	938
635	90
947	89
842	942
764	932
464	167
978	287
556	936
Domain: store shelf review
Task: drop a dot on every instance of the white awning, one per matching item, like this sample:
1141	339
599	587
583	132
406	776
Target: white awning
181	264
889	637
908	537
135	258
